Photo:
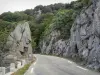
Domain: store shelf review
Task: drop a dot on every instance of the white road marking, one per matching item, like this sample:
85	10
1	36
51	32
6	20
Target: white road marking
70	62
35	63
32	70
81	68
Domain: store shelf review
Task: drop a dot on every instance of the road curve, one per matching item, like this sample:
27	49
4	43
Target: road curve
50	65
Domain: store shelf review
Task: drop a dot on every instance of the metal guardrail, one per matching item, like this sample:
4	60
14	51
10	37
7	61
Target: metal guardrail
11	68
0	71
7	69
4	70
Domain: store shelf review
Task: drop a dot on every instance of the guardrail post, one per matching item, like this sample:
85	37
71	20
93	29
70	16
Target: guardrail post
23	62
12	67
19	64
2	70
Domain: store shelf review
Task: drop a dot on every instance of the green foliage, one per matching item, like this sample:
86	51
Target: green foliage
47	20
33	43
62	22
15	17
22	70
50	8
29	12
62	18
37	29
85	2
5	29
77	5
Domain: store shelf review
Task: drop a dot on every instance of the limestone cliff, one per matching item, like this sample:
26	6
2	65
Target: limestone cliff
84	42
19	44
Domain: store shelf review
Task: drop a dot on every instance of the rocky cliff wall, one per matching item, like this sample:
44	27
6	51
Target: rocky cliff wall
84	42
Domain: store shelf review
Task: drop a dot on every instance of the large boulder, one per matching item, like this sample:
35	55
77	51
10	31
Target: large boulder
19	44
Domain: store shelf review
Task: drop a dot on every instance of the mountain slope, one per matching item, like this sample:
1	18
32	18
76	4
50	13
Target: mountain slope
84	41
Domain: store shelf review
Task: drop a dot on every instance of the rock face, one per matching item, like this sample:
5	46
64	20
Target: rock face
84	41
19	43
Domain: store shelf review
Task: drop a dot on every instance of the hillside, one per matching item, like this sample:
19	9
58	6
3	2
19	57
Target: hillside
66	30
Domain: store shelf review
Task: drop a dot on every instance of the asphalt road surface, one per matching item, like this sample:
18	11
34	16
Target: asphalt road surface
51	65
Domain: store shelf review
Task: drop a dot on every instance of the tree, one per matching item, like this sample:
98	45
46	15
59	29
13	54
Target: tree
29	12
62	22
5	29
7	16
85	2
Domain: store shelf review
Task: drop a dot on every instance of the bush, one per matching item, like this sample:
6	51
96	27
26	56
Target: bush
85	2
22	70
5	29
37	29
15	17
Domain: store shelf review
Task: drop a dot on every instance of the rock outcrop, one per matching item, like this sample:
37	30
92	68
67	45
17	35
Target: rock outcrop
84	41
19	44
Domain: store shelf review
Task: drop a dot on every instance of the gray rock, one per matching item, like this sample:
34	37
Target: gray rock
85	53
19	43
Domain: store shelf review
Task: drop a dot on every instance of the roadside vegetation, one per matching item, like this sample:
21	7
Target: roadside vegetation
23	69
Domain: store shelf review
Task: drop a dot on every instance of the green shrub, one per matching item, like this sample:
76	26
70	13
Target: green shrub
22	70
15	17
62	22
37	29
5	29
85	2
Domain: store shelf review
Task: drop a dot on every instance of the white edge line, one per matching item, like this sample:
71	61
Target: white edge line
32	70
33	66
81	68
70	62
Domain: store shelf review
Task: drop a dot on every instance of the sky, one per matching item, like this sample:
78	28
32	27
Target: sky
20	5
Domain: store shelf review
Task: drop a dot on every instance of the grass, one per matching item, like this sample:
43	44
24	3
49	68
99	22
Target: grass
22	70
